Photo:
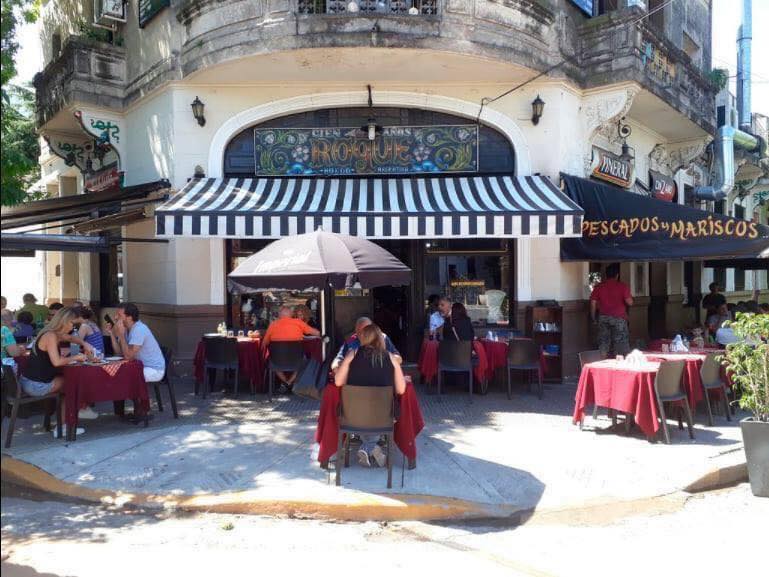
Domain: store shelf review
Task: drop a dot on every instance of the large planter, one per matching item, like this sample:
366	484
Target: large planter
755	437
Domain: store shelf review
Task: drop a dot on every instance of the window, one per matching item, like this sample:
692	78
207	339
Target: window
604	6
55	45
496	154
692	49
255	311
477	274
657	10
721	116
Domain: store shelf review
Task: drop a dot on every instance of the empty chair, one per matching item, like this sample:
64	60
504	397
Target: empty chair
13	395
365	411
221	353
586	357
166	380
456	357
669	388
285	356
710	373
523	355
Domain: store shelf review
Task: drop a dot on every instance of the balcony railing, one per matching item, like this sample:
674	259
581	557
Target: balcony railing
369	7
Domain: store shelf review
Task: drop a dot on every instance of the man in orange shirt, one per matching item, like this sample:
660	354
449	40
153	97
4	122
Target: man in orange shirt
286	328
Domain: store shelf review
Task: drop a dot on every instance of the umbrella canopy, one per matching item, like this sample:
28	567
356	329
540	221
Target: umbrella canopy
317	260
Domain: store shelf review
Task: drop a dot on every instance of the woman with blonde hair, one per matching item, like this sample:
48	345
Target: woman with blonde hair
40	376
370	365
304	313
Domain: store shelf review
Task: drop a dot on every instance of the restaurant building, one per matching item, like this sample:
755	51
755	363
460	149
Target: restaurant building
437	128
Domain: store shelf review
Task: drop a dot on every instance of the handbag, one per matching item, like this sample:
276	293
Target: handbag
312	379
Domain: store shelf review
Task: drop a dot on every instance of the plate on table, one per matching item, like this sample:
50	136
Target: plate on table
113	359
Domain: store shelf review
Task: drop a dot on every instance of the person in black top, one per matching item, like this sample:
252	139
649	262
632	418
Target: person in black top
713	300
40	376
458	326
370	365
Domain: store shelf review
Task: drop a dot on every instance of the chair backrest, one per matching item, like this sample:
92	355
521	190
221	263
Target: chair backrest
286	353
710	372
367	407
456	354
168	358
11	386
221	350
586	357
669	378
522	352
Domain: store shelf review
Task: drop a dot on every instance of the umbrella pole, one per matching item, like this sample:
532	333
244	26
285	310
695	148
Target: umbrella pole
330	320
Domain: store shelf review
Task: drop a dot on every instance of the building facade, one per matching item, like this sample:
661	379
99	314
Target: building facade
617	82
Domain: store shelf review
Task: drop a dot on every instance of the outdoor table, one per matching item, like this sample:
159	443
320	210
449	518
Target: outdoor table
91	383
619	386
428	361
407	427
252	359
656	346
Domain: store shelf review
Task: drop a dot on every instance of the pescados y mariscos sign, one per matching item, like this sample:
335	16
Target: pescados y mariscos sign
620	225
348	151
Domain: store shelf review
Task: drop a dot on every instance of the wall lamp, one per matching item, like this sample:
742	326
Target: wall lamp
537	106
198	108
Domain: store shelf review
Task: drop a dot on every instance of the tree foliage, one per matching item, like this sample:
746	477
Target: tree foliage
747	362
20	147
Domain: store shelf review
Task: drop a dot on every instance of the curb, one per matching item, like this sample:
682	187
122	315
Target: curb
351	507
719	477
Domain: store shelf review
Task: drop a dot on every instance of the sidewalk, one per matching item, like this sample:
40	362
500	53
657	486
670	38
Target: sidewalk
490	458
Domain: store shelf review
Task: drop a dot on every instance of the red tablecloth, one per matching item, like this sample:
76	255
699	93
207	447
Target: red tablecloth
407	427
612	385
85	384
252	358
428	361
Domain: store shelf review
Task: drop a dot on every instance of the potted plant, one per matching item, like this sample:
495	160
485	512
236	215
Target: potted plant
747	364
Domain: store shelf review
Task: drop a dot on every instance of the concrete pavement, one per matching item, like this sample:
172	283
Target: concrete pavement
492	458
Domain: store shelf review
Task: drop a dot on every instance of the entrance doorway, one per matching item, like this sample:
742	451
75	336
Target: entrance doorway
658	296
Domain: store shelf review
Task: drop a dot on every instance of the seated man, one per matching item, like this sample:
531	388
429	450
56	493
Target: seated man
286	328
715	321
353	342
132	339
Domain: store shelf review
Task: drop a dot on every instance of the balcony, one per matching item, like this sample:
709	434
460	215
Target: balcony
87	72
614	50
514	33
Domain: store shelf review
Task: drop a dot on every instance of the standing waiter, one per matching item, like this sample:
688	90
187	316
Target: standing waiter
608	307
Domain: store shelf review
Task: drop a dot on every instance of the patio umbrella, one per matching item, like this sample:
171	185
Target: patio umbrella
319	260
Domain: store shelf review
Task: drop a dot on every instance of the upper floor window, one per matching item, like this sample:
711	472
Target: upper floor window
692	50
657	13
381	141
604	6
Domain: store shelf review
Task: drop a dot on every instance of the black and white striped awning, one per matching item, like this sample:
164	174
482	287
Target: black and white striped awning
429	207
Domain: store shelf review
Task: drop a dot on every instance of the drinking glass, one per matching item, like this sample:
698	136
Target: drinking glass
665	348
620	358
230	333
241	334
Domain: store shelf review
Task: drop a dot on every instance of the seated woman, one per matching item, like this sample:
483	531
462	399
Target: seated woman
370	365
303	313
10	349
90	332
25	325
458	326
41	376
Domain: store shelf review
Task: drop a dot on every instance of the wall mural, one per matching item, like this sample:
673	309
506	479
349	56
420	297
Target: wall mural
349	151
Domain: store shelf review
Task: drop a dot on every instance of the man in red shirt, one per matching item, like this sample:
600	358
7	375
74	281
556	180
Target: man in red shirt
608	307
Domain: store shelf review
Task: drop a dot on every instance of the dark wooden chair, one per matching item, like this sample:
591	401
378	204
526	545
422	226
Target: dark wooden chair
14	396
523	355
221	353
166	380
366	411
455	357
285	356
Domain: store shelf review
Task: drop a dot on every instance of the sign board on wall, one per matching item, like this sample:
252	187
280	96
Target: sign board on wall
104	179
148	9
349	151
611	168
663	187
